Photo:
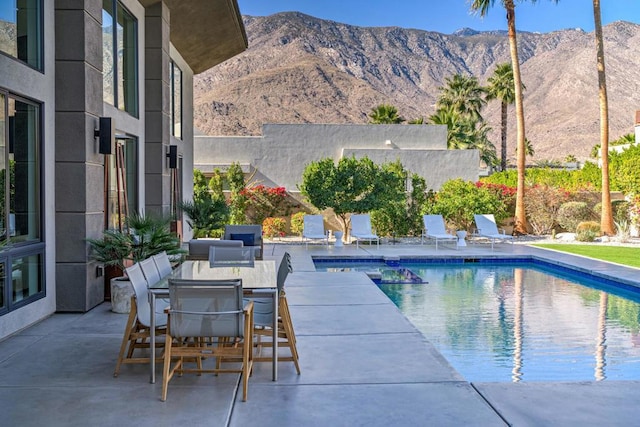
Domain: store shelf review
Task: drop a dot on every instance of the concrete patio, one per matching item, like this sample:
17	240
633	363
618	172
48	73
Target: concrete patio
362	363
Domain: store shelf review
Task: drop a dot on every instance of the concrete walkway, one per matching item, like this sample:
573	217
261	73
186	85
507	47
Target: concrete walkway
362	363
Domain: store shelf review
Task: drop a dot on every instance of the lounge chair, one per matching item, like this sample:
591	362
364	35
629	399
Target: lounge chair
313	229
486	227
361	229
434	228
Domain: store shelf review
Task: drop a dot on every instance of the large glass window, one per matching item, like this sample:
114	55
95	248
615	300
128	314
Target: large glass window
122	192
21	245
21	30
119	57
175	78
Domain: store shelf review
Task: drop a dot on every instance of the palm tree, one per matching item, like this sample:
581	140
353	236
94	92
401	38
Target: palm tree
606	217
482	6
501	87
463	94
465	133
385	114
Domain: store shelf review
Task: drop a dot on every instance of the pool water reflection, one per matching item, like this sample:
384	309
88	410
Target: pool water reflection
516	323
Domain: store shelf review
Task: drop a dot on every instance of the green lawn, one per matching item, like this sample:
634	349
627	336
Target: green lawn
619	254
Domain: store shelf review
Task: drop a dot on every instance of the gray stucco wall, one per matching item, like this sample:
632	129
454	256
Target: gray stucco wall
282	153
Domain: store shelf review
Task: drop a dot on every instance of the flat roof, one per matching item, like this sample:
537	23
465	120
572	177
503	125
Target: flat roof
205	32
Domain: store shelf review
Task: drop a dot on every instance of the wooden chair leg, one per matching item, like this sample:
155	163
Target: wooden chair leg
126	339
287	326
165	367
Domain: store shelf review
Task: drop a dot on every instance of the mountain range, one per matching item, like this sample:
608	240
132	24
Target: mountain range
301	69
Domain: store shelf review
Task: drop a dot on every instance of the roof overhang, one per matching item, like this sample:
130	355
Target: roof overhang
205	32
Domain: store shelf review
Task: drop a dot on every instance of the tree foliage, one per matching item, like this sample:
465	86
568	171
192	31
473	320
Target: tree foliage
458	200
351	186
208	211
385	114
502	88
237	202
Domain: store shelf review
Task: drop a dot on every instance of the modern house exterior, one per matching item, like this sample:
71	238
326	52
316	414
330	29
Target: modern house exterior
279	156
96	120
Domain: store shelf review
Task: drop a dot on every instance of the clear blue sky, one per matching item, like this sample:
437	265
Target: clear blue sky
447	16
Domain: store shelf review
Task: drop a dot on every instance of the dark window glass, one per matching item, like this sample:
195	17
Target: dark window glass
24	193
122	194
120	57
21	30
26	277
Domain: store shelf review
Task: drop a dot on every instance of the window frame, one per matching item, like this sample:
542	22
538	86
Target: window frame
13	250
120	101
40	53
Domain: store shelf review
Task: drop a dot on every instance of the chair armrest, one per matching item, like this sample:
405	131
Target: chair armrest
248	308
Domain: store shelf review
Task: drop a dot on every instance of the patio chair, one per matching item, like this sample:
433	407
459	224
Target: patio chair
313	229
200	310
486	227
263	319
137	333
199	248
163	263
219	256
434	228
150	271
249	234
361	229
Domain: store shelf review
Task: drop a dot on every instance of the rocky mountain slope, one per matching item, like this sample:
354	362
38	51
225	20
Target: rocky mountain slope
300	69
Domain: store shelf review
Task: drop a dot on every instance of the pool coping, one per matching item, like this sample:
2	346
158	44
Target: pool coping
564	262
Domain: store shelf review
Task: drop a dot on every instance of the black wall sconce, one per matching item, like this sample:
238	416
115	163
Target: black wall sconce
106	134
12	134
172	155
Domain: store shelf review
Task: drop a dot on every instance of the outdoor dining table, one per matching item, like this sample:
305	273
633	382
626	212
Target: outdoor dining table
259	278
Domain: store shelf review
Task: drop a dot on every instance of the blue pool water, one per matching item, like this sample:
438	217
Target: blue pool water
519	322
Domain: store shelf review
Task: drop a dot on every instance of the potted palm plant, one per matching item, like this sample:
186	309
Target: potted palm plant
145	235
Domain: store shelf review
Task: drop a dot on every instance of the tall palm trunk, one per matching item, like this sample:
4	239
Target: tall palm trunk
520	217
503	136
606	218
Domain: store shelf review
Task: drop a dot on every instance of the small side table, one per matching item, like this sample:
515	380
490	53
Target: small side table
338	235
461	236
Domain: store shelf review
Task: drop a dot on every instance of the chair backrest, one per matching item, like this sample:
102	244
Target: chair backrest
486	224
139	283
287	257
206	308
150	271
199	248
313	225
283	271
163	264
239	232
434	224
244	256
361	224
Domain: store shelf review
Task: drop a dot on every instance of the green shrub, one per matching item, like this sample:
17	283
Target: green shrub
571	214
297	223
587	231
274	227
589	226
542	203
458	200
586	236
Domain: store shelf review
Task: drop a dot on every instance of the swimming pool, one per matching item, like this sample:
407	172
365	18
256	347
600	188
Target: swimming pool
520	321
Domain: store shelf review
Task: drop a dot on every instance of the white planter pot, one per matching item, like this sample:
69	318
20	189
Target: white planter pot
121	293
